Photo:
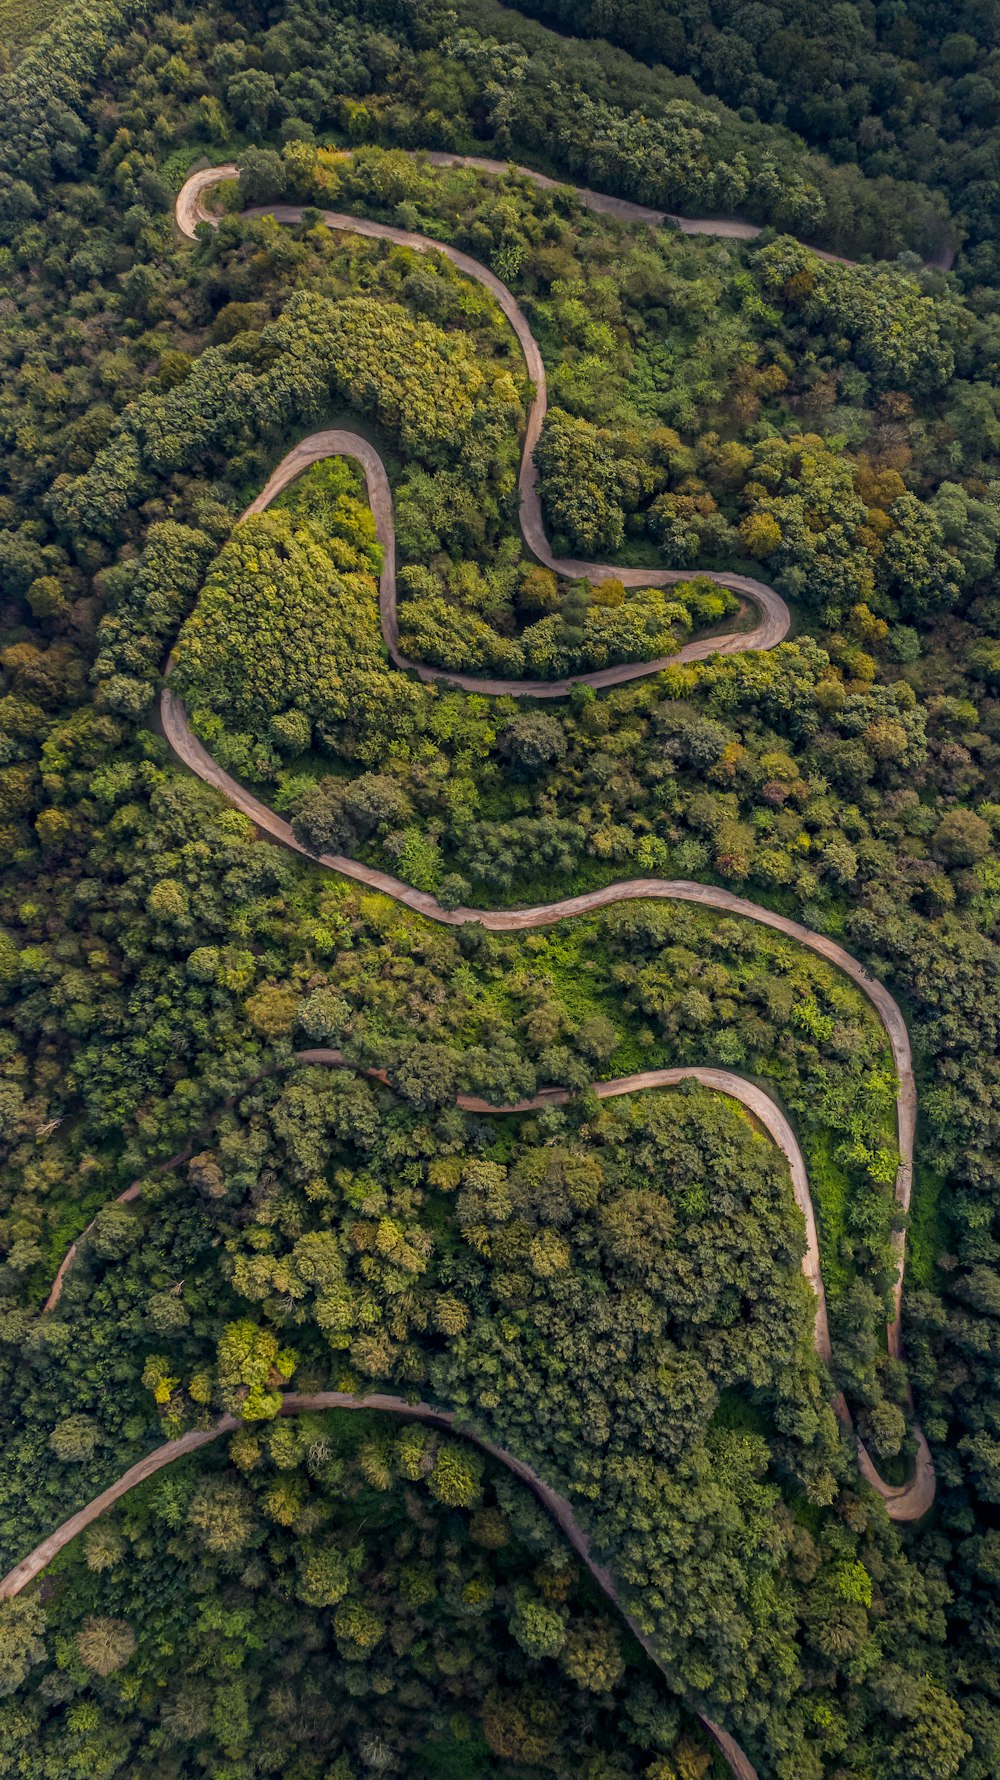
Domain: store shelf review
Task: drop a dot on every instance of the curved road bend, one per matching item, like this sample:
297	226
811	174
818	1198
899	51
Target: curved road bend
729	228
191	752
295	1403
723	1081
775	616
772	628
768	1114
904	1502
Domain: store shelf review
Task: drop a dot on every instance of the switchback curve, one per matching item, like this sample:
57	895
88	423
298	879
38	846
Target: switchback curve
775	616
904	1502
729	228
772	628
765	1110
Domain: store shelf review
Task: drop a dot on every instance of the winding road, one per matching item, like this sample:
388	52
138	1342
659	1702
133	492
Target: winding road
753	1098
775	616
903	1503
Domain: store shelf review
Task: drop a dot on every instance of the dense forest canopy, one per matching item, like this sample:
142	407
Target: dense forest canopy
910	92
250	1108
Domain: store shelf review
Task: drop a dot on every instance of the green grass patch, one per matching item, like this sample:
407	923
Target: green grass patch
829	1187
807	1514
578	969
898	1469
178	163
927	1235
738	1413
103	1182
465	1758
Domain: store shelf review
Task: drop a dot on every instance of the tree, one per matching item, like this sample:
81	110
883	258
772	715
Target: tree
456	1478
205	1174
116	1230
932	1743
532	742
358	1629
168	1315
324	1576
262	172
252	1369
325	1016
22	1623
539	1628
168	901
272	1010
761	534
427	1074
961	838
321	819
222	1512
520	1726
592	1655
884	1426
105	1645
75	1438
538	591
252	97
104	1544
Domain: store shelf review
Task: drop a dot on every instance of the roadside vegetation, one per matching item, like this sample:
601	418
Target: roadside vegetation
612	1290
362	1591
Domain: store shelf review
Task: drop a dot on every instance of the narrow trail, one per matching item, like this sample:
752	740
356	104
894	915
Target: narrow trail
907	1502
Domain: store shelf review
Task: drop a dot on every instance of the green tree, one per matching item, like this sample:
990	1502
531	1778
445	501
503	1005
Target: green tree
22	1623
252	1370
105	1645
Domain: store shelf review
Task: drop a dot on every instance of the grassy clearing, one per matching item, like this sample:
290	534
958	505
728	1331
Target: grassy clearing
739	1413
178	163
829	1186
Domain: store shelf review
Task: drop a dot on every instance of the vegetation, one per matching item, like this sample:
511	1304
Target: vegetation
910	96
323	1591
611	1290
21	20
361	1248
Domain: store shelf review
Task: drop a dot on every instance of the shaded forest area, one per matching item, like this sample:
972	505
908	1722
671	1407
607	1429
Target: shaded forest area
908	93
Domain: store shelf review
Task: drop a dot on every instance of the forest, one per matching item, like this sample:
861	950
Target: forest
905	93
295	1101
